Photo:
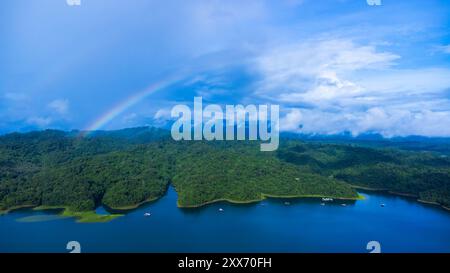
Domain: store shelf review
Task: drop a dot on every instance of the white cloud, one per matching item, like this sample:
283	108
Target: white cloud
336	86
41	122
15	96
406	81
294	65
210	93
388	122
293	3
291	121
61	106
163	114
130	118
444	48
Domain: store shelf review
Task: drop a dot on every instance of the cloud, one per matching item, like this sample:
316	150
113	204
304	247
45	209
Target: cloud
15	96
333	86
211	93
294	3
361	69
388	122
61	106
444	49
162	114
291	121
130	118
41	122
302	67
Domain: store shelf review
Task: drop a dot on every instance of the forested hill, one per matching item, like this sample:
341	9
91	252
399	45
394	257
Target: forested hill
121	169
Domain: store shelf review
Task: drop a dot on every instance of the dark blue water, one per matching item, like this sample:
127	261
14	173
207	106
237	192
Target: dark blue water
304	225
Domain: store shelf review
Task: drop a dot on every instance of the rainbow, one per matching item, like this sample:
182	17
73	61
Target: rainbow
125	104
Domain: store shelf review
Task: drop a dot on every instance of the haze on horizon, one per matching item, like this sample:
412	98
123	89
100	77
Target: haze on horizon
333	66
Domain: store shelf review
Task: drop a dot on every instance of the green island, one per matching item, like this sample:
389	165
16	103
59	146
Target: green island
126	168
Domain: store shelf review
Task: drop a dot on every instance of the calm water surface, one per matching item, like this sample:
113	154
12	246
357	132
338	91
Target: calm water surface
304	225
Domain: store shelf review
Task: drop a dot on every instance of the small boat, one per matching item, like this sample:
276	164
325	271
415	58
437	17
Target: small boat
287	203
382	205
220	209
326	199
344	205
147	214
322	204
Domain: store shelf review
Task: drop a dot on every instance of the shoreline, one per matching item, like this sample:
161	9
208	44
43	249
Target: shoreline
132	207
6	211
402	194
80	216
433	204
93	217
267	196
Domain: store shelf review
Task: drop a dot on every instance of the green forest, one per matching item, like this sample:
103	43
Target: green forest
122	169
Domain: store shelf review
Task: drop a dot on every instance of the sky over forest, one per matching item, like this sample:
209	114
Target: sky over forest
333	66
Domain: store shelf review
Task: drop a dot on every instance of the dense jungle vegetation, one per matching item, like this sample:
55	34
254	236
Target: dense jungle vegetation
121	169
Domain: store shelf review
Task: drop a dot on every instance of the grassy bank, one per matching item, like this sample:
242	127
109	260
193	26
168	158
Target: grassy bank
81	216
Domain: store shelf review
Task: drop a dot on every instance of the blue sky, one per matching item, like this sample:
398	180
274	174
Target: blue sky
333	66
